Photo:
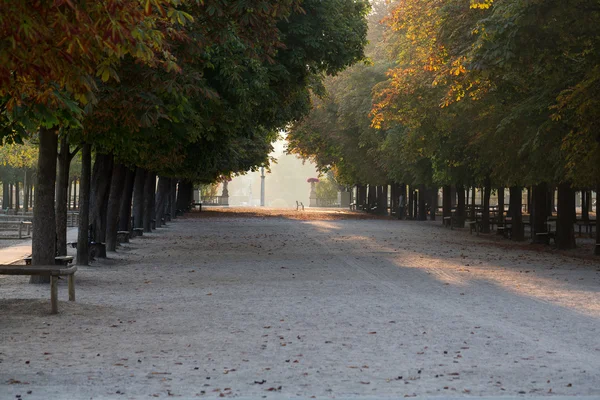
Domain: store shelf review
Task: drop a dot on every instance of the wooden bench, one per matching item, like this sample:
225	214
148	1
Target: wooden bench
298	205
589	227
474	225
137	232
54	271
448	222
123	237
97	250
58	260
544	237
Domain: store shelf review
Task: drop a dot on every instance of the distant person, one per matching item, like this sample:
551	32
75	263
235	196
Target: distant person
401	207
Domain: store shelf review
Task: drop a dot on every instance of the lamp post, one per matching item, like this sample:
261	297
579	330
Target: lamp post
262	186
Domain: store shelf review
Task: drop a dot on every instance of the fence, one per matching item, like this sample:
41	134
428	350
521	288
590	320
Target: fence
327	202
215	200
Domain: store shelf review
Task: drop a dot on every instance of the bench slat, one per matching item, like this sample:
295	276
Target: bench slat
54	270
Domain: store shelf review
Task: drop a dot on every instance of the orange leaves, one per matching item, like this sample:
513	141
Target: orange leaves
61	43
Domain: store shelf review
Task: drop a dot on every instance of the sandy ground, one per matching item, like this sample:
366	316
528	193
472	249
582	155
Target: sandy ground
285	305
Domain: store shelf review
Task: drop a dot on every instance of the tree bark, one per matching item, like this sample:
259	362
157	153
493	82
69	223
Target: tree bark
5	193
422	203
25	192
138	197
586	197
552	201
43	238
75	204
500	205
516	213
62	183
167	209
162	194
117	183
83	256
434	202
173	199
148	201
485	211
32	190
411	202
460	207
384	200
185	195
101	176
539	211
597	250
125	207
473	191
17	197
447	201
69	195
565	233
371	197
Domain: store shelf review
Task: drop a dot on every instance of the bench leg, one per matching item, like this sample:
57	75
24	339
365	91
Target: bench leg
54	294
71	281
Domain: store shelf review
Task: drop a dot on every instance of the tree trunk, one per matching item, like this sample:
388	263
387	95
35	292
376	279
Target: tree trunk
62	183
434	202
422	203
485	211
500	205
69	194
75	194
539	211
101	176
138	197
384	200
148	201
552	201
586	197
17	197
460	208
411	202
162	194
565	233
394	197
167	208
597	250
371	196
473	191
83	256
185	195
447	201
10	195
32	190
44	236
25	192
516	213
173	199
5	194
117	183
125	207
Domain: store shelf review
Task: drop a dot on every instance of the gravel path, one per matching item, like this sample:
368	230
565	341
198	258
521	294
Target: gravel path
328	306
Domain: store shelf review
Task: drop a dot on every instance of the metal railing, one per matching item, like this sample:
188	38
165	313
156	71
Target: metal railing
215	200
327	202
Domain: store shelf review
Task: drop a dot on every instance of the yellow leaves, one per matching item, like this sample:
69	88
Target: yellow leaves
481	4
458	67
